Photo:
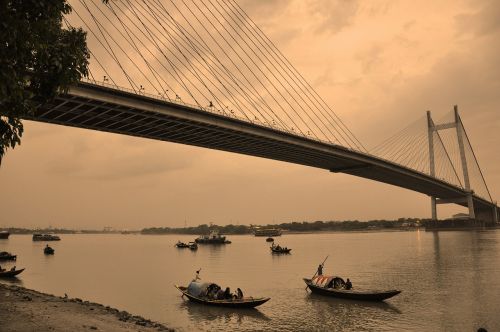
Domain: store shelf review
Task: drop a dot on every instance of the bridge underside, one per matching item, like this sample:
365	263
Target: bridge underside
110	110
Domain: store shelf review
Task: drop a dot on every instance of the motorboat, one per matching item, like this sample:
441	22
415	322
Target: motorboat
213	238
336	287
266	231
192	245
200	292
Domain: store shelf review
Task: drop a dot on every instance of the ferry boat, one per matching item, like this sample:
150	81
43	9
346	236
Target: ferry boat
258	231
4	235
45	237
213	238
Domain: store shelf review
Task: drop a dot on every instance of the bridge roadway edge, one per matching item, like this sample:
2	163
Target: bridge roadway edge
265	142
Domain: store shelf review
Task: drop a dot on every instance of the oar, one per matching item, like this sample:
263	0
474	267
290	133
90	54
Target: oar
322	264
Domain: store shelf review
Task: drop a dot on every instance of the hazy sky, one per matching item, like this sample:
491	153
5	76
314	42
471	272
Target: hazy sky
379	64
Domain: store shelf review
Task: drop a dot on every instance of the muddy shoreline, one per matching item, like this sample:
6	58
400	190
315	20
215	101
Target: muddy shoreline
23	309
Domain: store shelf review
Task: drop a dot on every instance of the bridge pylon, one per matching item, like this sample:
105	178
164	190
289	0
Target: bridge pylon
434	128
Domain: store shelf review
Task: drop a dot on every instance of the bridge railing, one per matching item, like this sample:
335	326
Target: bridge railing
212	110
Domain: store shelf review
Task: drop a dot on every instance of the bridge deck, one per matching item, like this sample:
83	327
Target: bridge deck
105	109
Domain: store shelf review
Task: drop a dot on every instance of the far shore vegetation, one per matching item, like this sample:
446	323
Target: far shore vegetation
291	227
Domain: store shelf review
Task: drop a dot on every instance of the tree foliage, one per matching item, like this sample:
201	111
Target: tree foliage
38	60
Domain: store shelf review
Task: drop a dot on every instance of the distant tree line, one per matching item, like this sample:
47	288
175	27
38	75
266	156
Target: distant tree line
316	226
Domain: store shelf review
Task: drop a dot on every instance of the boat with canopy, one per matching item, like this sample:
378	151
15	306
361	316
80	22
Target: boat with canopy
336	287
201	292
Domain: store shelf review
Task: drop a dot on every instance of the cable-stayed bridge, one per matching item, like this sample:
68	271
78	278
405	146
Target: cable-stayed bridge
202	73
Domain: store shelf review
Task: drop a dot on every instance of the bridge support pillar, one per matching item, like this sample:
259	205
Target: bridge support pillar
433	208
470	205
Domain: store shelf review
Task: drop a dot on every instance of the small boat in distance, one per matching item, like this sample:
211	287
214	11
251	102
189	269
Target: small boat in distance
335	287
180	244
277	249
213	238
269	239
7	256
201	292
192	246
48	250
4	235
266	231
10	273
45	237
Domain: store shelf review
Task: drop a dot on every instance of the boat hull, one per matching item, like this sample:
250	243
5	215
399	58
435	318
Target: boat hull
352	294
4	235
211	241
10	274
243	303
281	251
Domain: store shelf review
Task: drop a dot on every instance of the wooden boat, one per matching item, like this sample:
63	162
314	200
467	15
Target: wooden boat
193	246
196	290
269	239
10	273
180	244
7	256
335	287
48	250
277	249
4	235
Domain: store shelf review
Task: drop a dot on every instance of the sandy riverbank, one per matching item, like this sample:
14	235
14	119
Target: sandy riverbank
23	310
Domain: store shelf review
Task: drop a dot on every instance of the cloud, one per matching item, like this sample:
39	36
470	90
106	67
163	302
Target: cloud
482	22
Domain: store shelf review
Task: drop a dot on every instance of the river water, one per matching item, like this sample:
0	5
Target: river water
450	280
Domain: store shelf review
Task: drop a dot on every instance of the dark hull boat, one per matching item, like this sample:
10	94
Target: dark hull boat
245	302
213	238
4	235
181	245
360	295
7	256
269	239
48	251
10	274
277	249
280	251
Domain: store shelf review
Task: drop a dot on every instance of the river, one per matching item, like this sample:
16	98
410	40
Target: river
450	281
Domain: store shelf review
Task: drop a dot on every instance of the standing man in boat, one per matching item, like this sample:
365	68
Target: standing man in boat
320	269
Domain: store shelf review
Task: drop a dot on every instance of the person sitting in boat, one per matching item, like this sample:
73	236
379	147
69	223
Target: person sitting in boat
220	294
227	294
239	294
13	268
278	247
197	276
1	270
348	284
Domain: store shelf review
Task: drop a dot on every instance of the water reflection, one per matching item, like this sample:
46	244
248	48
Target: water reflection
347	305
200	313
